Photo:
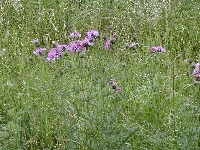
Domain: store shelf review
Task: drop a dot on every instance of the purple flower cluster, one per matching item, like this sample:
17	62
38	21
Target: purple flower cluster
110	42
75	46
54	53
62	47
81	45
114	86
155	49
196	72
78	45
39	51
108	45
92	35
75	34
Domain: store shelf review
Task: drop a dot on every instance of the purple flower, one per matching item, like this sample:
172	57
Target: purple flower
87	42
39	51
114	35
118	89
53	54
108	45
92	35
75	34
112	83
36	42
77	46
196	71
132	45
155	49
73	46
63	47
113	39
160	49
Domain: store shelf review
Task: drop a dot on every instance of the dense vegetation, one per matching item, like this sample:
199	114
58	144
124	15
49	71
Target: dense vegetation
119	98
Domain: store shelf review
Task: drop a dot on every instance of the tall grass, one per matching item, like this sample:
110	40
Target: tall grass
69	104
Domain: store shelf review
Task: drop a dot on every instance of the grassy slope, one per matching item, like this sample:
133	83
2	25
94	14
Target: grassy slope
42	108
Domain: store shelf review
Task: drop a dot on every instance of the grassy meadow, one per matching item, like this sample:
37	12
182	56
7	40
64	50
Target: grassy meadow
69	103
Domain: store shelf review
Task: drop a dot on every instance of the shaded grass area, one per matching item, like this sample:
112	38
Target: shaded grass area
68	104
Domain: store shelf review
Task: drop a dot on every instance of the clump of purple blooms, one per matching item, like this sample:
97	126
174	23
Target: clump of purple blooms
82	45
62	47
110	42
77	46
39	51
108	45
53	54
196	72
114	86
75	34
118	89
92	35
155	49
58	50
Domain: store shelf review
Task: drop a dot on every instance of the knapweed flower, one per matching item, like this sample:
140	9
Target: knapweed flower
87	43
75	34
118	89
108	45
114	36
36	42
39	51
155	49
110	42
62	47
114	86
132	46
73	46
113	39
77	46
196	71
53	54
92	35
111	82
